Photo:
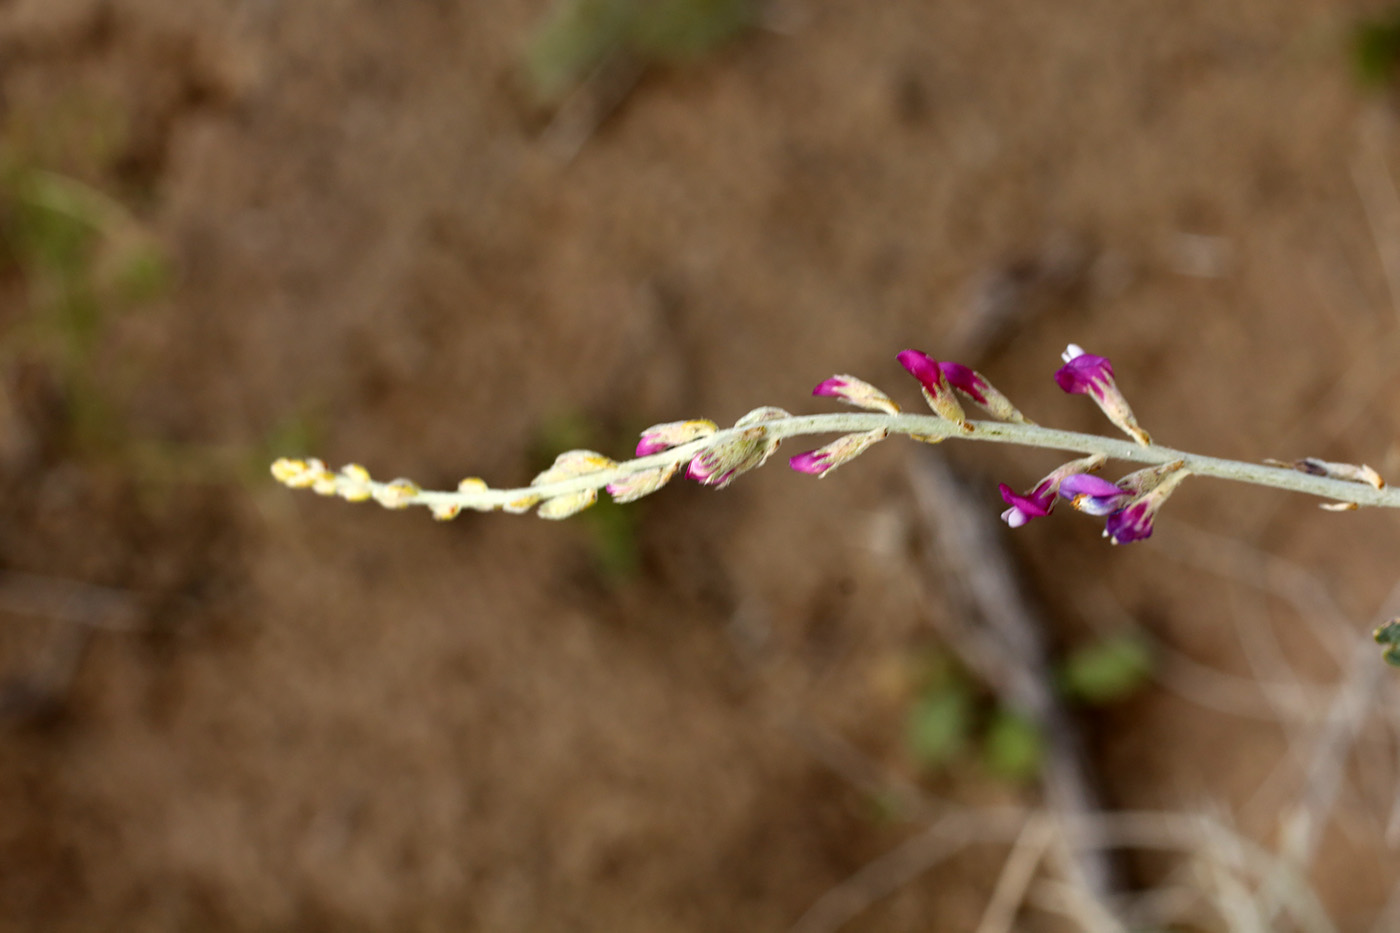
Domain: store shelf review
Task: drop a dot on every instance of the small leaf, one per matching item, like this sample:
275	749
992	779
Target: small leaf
938	726
1013	747
1107	670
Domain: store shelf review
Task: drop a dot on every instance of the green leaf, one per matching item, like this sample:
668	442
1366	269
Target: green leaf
938	725
1013	747
1375	50
1107	670
679	30
574	39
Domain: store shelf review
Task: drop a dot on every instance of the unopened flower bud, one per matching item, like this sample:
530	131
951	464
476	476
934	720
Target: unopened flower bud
843	450
856	392
976	387
661	437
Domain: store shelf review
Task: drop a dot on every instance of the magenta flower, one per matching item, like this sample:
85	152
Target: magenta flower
937	392
967	379
937	375
1092	494
1040	501
1035	504
1087	374
1133	522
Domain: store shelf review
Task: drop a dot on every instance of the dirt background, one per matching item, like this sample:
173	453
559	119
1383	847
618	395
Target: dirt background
279	712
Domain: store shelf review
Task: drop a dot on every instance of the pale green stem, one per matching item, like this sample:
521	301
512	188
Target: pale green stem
932	426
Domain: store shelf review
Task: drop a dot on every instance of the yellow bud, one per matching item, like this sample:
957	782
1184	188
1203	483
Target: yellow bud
446	511
521	505
396	495
564	506
353	492
285	470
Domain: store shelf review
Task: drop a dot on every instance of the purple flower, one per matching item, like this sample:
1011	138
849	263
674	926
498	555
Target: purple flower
1130	524
966	379
1087	374
1133	522
1035	504
1084	373
925	369
1040	501
1093	495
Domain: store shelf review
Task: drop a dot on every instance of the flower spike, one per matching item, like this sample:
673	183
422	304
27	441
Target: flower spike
937	392
856	392
715	456
1087	374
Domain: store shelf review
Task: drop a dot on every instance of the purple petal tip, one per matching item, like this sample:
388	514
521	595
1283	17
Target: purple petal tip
1031	506
1128	525
1085	373
965	378
1085	484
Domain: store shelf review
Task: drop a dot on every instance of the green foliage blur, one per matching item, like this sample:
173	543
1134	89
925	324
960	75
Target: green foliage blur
578	37
611	529
1375	49
953	718
1106	671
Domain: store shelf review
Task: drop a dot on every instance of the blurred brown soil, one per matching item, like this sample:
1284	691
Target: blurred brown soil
335	717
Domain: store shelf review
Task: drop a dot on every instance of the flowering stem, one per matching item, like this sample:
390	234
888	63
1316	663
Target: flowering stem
933	429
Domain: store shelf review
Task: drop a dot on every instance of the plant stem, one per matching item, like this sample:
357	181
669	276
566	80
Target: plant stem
934	429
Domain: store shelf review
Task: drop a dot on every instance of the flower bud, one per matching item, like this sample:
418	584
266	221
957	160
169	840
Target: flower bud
843	450
1087	374
937	392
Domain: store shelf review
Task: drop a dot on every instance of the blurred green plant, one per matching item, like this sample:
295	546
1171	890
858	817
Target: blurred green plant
1388	636
611	528
578	37
1013	748
940	723
952	716
1106	671
1375	49
81	257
